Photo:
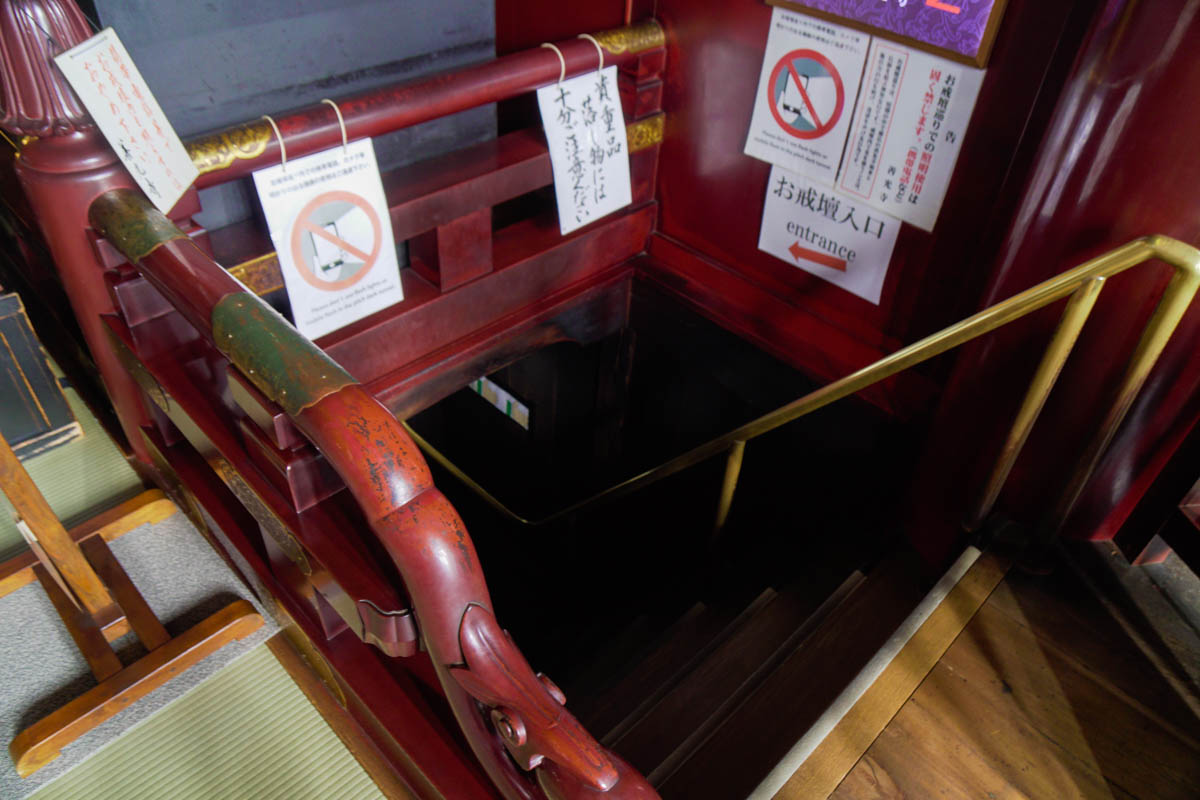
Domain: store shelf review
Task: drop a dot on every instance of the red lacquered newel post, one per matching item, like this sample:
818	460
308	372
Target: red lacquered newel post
63	170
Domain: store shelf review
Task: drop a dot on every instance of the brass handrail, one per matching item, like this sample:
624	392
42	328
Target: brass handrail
1083	283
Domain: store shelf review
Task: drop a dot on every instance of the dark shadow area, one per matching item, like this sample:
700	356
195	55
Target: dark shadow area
814	502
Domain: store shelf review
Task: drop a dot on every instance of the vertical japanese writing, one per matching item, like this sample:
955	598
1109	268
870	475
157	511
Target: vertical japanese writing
586	137
117	97
933	111
860	174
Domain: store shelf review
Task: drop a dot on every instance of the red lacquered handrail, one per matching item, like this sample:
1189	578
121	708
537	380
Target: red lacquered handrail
499	702
240	149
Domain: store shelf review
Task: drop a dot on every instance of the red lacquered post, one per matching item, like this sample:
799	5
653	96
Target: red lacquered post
62	171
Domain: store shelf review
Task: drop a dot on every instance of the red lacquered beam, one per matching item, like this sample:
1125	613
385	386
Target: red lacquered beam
239	150
515	720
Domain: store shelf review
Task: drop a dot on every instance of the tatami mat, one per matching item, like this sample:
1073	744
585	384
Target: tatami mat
247	732
182	578
78	479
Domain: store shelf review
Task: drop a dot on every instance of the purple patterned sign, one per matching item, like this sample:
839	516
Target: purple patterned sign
959	26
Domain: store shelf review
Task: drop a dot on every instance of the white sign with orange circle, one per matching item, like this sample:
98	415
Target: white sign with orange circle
806	92
329	221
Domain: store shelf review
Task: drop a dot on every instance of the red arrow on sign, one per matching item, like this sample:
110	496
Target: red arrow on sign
803	253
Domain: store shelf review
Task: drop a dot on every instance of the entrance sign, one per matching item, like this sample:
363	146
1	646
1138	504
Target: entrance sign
329	221
907	131
835	237
115	94
806	90
585	132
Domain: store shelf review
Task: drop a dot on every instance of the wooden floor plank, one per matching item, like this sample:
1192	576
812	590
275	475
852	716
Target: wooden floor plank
826	767
920	756
1065	616
1031	701
1071	707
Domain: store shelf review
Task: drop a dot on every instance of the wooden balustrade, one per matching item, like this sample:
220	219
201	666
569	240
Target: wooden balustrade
251	426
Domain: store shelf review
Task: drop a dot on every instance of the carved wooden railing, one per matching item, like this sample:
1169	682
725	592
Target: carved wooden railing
500	703
63	164
514	719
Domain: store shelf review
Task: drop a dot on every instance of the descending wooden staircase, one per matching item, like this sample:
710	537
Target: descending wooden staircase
711	709
673	652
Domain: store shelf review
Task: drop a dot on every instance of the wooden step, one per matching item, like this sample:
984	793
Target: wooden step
696	738
726	673
680	648
619	650
750	740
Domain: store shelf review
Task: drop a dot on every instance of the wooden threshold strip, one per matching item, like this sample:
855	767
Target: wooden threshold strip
821	759
147	507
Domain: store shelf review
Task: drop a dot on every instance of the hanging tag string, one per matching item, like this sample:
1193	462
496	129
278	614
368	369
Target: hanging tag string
599	49
562	71
341	122
278	138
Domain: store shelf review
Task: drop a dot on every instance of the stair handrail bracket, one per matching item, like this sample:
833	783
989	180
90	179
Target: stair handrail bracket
514	719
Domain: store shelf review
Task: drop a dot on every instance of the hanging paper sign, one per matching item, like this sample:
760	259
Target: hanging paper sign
119	101
806	90
835	237
329	221
907	131
585	131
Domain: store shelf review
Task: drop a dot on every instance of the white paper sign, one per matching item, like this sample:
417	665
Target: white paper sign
810	76
907	131
333	235
585	131
115	94
831	235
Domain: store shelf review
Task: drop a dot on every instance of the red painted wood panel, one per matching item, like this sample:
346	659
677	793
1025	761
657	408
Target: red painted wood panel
1117	162
531	260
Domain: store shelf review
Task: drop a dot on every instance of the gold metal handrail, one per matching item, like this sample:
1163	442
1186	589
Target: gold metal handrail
1083	284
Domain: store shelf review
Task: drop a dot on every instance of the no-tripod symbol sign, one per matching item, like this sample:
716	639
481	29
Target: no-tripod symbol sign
806	94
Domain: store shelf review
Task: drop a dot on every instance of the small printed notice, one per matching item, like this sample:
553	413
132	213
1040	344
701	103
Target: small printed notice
585	131
831	235
963	27
333	235
115	94
907	131
806	91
